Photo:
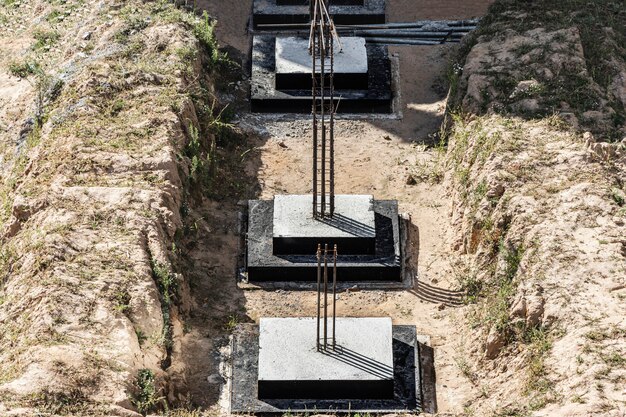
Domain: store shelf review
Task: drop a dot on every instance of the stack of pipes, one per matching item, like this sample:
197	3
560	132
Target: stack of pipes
416	33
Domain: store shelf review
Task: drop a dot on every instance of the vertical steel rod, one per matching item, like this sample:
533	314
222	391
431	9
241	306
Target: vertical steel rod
325	297
334	295
323	116
314	111
332	127
319	274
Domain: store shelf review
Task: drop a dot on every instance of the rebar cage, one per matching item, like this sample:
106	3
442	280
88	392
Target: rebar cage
322	40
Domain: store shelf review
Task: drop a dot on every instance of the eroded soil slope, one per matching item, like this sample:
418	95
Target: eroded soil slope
536	167
107	139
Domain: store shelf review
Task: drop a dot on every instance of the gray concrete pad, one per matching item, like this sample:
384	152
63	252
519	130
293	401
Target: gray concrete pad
288	350
354	217
275	93
360	366
410	358
292	56
261	263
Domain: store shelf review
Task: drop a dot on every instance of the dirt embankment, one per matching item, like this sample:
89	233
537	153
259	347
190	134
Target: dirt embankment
537	170
108	139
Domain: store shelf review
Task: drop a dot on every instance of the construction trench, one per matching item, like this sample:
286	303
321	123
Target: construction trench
370	365
325	60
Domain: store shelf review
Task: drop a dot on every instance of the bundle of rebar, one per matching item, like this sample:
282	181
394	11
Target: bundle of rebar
423	32
322	39
324	257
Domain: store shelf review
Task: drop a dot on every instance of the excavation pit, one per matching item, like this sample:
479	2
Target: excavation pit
288	12
281	77
359	367
411	367
293	64
383	265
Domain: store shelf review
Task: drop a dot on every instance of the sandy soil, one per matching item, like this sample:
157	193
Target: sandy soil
374	156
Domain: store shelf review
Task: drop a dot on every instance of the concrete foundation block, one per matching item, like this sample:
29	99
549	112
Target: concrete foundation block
293	64
360	366
352	227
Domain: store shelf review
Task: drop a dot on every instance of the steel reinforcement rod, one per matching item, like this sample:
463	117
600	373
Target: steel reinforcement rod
334	295
313	50
322	287
319	276
462	24
404	41
325	296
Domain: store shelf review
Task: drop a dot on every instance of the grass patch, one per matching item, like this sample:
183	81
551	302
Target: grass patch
168	286
141	337
231	323
147	398
614	359
24	69
45	38
122	301
617	195
538	385
71	401
471	286
200	171
55	16
204	31
132	24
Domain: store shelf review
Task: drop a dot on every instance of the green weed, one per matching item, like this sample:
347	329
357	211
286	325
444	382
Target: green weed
204	31
45	37
168	287
231	323
24	69
617	195
146	399
122	301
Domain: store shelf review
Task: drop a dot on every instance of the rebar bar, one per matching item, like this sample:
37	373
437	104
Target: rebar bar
319	267
334	295
322	287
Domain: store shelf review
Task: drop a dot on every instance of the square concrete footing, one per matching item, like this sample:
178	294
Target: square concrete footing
296	232
412	365
358	366
274	92
384	265
345	12
293	64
